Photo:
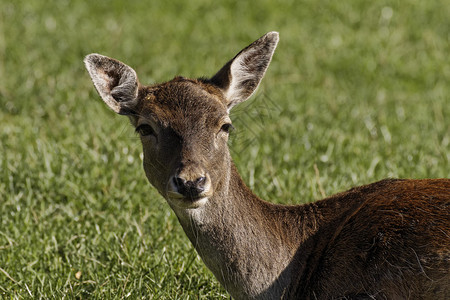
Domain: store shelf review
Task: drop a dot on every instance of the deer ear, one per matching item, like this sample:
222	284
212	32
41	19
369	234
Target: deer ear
115	82
240	77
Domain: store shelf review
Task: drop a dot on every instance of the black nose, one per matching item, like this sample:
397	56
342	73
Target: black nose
188	188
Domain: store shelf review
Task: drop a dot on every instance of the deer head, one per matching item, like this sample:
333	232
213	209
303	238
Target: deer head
184	123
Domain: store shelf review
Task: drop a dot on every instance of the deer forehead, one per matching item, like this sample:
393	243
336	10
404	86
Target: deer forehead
184	104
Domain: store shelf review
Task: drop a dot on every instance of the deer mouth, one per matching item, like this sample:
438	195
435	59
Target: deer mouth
186	202
188	197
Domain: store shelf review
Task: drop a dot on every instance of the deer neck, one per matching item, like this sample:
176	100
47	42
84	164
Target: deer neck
248	244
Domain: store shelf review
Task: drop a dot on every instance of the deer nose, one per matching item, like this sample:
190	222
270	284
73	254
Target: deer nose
189	188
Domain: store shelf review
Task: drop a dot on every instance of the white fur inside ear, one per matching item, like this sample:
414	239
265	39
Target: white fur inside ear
247	69
115	82
241	72
102	84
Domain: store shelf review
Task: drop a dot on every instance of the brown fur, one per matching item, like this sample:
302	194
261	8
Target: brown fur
386	240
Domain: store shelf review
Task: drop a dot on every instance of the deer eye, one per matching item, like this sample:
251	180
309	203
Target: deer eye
145	130
227	127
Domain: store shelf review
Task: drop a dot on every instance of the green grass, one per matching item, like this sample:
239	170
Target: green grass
357	91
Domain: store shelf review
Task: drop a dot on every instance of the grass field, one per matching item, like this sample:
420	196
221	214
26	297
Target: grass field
357	91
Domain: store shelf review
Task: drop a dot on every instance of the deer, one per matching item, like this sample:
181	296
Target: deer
385	240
